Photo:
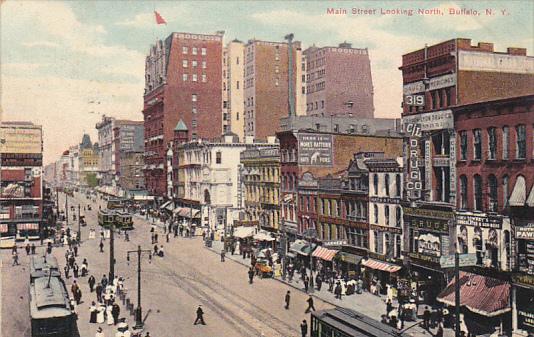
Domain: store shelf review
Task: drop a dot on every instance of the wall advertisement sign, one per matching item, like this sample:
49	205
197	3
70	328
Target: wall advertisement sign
433	84
479	220
413	183
429	121
315	149
19	139
429	244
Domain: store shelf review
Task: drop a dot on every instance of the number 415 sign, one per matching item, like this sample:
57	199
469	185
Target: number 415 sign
417	100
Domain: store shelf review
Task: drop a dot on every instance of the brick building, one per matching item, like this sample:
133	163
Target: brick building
266	93
339	82
496	192
183	80
21	183
319	154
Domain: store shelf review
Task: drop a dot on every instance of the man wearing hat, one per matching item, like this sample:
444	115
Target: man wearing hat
200	316
99	332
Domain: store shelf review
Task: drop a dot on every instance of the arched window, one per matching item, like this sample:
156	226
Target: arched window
463	192
398	185
386	214
477	189
492	193
375	183
398	216
386	184
375	208
505	191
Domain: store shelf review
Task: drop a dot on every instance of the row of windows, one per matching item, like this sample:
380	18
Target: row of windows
310	106
397	217
194	64
387	184
477	192
194	51
315	87
194	78
492	141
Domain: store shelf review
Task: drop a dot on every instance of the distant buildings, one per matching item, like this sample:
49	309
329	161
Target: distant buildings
338	82
89	162
21	180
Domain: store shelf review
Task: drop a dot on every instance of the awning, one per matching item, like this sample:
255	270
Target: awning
3	228
349	258
530	200
27	226
519	193
186	212
263	236
381	265
302	247
481	294
244	232
324	253
164	206
143	197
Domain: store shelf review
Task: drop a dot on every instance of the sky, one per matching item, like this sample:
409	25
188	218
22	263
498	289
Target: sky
64	64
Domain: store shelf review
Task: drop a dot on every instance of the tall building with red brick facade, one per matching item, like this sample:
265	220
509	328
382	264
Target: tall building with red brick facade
266	93
183	80
339	82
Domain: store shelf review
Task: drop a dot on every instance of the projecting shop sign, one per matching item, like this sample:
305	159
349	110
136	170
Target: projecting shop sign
429	121
315	149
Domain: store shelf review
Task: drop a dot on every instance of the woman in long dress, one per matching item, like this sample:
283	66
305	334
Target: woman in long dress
93	312
109	314
100	315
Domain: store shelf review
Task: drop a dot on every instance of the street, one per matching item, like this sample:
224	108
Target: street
172	288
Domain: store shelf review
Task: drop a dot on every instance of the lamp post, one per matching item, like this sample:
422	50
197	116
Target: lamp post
138	310
79	234
310	234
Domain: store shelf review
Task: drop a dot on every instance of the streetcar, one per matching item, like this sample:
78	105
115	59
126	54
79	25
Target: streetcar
342	322
50	311
43	266
116	203
116	219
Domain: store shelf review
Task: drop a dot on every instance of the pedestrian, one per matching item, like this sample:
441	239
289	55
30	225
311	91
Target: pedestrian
200	316
27	249
167	236
319	281
155	237
15	258
99	293
389	306
152	237
75	248
304	328
337	290
310	305
71	261
66	269
104	281
74	287
250	275
126	237
99	333
75	270
161	253
49	248
306	283
115	311
78	296
426	318
92	313
222	255
233	248
101	246
91	282
287	299
155	249
33	249
331	284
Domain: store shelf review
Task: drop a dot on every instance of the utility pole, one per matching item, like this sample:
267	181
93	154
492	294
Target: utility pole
79	235
138	310
457	292
66	207
111	253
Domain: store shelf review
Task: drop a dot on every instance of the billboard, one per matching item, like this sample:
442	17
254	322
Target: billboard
20	139
315	149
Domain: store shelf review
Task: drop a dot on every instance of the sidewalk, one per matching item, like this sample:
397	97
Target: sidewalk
366	303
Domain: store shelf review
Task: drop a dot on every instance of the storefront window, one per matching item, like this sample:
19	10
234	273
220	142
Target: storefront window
462	240
478	245
492	248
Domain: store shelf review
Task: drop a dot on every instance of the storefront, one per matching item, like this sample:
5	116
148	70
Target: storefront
380	275
429	231
301	252
27	231
523	280
347	261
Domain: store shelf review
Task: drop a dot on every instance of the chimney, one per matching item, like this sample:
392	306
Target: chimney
485	46
516	51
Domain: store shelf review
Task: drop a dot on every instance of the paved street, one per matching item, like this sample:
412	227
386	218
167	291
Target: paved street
173	287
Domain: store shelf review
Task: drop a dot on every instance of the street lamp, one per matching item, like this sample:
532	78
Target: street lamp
138	310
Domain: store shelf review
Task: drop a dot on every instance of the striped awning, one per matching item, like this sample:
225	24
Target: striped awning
381	265
27	226
3	228
519	193
324	253
480	294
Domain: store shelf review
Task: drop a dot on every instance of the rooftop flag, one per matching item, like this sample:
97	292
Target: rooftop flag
159	19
